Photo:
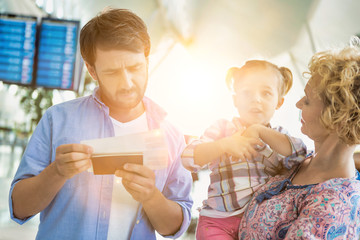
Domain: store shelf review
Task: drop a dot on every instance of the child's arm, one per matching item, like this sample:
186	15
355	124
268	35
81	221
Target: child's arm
291	151
211	134
213	144
276	140
236	145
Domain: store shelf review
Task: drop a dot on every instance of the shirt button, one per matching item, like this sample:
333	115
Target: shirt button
137	222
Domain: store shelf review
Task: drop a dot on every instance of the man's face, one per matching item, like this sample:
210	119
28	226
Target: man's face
122	77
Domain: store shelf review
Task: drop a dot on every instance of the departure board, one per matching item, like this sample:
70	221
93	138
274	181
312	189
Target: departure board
57	54
17	48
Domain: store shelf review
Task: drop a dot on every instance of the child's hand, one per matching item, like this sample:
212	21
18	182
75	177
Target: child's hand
241	146
253	131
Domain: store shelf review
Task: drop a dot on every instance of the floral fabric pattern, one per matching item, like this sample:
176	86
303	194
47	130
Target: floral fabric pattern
328	210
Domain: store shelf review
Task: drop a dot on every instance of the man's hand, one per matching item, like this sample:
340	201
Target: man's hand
72	159
139	181
165	215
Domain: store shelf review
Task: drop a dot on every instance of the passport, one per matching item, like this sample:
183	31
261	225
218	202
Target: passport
109	163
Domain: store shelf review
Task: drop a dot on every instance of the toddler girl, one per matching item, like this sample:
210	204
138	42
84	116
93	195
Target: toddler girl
241	164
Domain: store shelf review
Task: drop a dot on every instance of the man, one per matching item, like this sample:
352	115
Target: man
52	177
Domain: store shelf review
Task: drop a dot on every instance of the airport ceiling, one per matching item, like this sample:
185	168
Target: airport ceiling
239	29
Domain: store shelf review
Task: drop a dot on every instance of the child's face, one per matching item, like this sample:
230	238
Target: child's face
257	96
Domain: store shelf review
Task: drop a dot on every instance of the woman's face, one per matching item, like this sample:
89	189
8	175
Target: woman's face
311	107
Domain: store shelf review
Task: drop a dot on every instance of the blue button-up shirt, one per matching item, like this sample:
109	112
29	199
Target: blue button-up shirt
81	209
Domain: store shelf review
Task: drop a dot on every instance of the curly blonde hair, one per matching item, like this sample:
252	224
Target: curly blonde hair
339	89
234	75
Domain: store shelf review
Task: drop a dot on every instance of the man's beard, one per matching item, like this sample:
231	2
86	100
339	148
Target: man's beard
129	104
122	102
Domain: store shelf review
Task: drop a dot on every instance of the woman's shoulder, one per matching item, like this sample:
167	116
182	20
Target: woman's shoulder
341	184
343	191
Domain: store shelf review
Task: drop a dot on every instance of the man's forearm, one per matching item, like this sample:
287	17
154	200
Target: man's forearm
32	195
165	215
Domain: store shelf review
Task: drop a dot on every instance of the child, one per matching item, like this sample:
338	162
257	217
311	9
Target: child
238	166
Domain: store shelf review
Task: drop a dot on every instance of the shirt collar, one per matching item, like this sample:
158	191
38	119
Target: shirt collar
96	96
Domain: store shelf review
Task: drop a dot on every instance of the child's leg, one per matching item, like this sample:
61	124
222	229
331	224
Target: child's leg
218	228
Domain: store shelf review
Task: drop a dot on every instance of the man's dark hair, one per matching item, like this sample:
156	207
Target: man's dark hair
114	29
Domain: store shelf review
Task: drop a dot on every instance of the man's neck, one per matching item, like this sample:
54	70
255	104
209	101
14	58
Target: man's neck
127	115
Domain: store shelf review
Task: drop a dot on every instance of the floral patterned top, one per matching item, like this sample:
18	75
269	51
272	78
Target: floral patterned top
328	210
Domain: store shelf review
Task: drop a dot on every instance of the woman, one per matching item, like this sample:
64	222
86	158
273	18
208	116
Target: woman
320	198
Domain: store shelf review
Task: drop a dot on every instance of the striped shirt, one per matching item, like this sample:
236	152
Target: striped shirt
233	182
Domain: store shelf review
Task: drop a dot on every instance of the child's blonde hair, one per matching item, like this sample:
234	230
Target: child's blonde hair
339	89
234	75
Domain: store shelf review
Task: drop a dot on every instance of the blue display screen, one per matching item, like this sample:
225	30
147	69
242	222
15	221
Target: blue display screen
57	53
17	48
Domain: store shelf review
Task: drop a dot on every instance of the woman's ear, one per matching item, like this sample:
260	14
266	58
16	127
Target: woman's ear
92	71
280	102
